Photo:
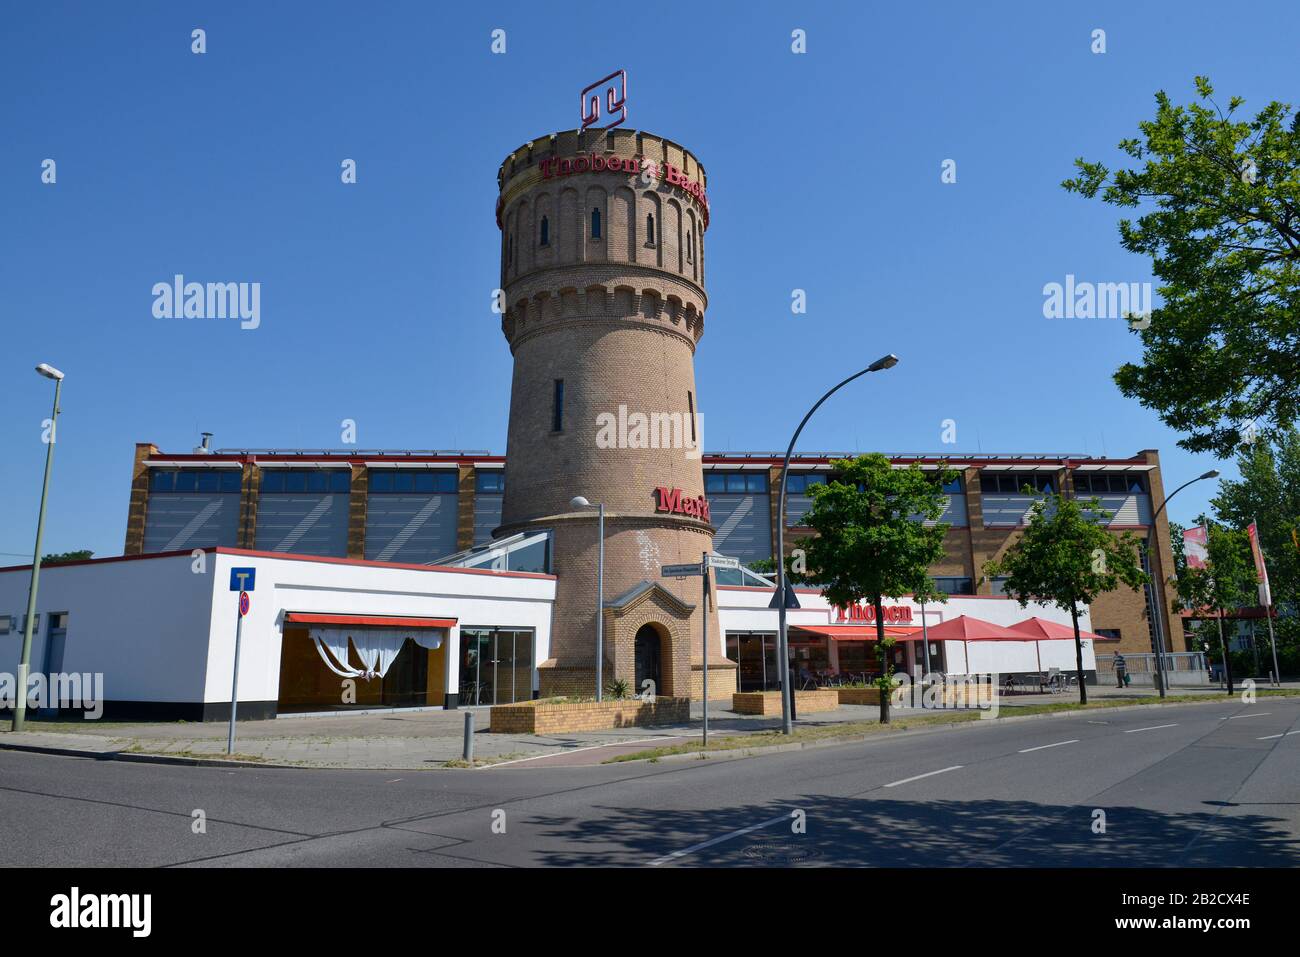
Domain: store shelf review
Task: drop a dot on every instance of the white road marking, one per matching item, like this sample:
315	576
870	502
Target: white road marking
718	840
649	743
1256	714
927	774
1042	746
1270	737
1154	727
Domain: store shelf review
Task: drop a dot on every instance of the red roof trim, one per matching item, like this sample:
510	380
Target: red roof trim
372	621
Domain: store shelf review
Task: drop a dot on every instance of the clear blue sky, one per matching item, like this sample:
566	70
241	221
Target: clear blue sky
375	297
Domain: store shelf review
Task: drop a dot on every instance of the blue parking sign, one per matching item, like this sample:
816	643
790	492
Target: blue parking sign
241	579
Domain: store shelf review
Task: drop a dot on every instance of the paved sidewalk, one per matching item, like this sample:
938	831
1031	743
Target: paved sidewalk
410	740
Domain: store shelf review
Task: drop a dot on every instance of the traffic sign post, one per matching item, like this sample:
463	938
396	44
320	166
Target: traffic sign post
707	562
704	663
241	580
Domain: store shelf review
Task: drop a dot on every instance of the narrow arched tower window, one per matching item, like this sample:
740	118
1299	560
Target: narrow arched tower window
546	232
690	246
650	229
595	224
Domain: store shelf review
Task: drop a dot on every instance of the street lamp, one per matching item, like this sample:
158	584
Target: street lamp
783	647
20	705
1155	607
579	502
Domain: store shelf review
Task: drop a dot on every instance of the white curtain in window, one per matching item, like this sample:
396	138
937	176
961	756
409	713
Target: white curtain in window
377	648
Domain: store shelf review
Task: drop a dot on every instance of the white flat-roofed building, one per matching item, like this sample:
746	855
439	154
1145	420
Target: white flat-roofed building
160	628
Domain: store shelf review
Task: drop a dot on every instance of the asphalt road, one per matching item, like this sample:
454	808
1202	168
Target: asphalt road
1179	786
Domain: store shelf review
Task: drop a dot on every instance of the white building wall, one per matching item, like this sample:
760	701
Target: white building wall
142	623
470	596
162	629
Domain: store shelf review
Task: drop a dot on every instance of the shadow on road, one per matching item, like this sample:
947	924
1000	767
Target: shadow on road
870	832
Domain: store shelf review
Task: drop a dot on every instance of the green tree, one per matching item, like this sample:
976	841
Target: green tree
1217	198
878	533
60	557
1226	582
1067	557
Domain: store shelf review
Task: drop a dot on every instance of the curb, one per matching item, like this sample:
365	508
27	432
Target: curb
137	758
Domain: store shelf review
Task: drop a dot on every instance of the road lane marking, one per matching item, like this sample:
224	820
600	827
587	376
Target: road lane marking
1042	746
1256	714
1270	737
927	774
718	840
1154	727
651	742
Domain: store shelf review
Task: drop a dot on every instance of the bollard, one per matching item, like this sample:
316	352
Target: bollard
468	751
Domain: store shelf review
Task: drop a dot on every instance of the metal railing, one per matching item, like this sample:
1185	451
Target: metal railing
1181	667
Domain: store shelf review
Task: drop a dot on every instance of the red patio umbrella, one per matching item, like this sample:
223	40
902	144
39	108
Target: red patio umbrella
964	628
1043	630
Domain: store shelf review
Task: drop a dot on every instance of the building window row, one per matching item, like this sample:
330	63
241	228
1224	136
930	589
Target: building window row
716	483
1014	483
1109	483
490	483
412	481
291	481
951	585
195	480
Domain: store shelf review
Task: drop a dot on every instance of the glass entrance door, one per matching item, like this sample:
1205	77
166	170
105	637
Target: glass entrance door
496	667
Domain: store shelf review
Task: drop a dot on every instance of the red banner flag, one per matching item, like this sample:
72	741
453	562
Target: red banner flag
1261	572
1195	540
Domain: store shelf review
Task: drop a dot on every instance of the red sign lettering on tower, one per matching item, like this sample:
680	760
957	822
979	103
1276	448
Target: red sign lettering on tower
673	501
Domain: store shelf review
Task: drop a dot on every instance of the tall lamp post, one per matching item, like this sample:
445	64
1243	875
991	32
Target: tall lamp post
20	705
1155	606
579	502
783	647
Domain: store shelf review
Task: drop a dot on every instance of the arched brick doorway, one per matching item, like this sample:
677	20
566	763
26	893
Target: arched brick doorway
648	657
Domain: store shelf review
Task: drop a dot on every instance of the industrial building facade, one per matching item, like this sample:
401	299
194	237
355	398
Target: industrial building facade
419	507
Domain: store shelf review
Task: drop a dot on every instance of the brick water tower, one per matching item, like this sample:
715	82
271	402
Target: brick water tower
602	266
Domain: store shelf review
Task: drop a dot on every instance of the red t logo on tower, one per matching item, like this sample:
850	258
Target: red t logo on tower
674	501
